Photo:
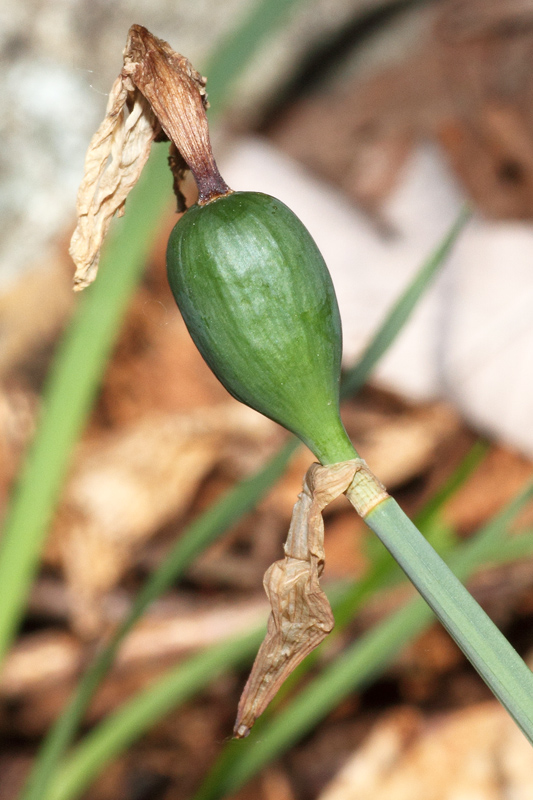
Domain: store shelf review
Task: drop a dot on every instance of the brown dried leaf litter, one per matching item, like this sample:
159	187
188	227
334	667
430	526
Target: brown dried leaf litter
476	753
158	95
468	86
125	486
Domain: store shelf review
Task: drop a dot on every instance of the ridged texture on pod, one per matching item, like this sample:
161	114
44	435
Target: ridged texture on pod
258	301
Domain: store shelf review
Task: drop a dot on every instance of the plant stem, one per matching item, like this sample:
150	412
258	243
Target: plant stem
483	644
355	668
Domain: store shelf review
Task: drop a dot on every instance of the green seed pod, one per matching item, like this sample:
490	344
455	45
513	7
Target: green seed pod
259	303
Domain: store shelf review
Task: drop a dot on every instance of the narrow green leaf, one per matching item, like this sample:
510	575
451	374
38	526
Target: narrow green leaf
355	378
239	46
515	548
354	669
433	507
122	728
193	541
70	391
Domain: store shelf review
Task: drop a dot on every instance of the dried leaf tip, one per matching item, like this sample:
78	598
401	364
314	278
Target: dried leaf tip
157	96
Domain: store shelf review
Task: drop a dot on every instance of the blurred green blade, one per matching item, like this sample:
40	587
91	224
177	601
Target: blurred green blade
239	46
352	670
122	727
427	515
204	530
402	309
71	389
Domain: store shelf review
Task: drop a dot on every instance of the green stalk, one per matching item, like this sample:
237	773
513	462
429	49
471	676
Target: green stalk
384	572
483	644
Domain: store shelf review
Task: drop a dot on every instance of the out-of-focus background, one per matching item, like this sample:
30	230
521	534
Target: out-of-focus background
375	120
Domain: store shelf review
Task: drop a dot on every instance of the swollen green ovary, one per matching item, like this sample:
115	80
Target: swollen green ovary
258	301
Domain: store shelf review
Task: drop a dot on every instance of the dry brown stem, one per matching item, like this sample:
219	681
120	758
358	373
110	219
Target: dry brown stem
158	94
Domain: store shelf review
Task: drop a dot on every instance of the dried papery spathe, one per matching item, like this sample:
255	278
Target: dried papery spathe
115	159
158	94
301	615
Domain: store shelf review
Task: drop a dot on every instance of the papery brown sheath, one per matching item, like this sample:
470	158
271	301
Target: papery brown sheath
157	95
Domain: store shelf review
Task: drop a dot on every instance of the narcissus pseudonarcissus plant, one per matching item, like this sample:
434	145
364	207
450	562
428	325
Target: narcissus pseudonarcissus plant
259	303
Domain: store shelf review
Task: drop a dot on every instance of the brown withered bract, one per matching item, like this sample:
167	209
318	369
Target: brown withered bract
177	97
301	615
157	95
